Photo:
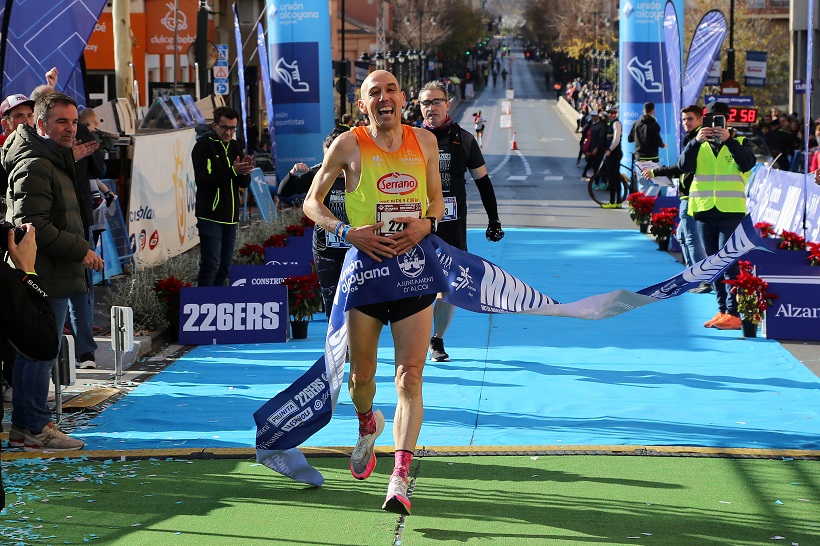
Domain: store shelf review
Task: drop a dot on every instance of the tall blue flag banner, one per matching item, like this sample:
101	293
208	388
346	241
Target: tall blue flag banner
703	52
240	71
644	71
809	92
755	72
301	69
671	33
472	283
262	49
42	35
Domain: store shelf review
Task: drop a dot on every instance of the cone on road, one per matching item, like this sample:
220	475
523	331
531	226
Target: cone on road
513	145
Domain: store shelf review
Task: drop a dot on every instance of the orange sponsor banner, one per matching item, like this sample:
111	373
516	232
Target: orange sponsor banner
159	17
99	51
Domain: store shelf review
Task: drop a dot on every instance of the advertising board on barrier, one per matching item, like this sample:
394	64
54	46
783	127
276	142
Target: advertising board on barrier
161	221
228	314
782	199
294	253
266	275
795	313
261	194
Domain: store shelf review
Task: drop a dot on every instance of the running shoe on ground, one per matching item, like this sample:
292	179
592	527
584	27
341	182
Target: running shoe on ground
397	500
730	322
17	437
704	288
51	439
7	392
86	361
711	322
363	458
437	352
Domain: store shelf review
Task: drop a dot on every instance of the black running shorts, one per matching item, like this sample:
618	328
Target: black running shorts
454	232
394	311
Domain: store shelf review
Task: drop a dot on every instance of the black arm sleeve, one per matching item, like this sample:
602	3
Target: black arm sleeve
485	189
297	184
670	171
27	320
743	154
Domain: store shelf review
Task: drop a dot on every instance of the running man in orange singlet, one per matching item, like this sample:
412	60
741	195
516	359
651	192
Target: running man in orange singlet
387	166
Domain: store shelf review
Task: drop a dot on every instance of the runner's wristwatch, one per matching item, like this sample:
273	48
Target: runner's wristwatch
433	224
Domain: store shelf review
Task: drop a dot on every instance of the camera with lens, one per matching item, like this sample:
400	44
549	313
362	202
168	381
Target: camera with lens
5	227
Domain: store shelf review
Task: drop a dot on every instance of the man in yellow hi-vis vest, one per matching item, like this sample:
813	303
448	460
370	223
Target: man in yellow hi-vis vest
721	161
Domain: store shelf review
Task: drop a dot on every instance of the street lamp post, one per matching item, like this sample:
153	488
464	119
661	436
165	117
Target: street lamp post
412	56
422	67
401	58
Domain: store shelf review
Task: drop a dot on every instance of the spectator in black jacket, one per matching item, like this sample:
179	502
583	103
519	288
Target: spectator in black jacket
596	144
89	162
781	143
219	172
27	321
646	134
43	191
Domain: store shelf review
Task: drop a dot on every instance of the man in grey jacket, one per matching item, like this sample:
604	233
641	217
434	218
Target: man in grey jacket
44	192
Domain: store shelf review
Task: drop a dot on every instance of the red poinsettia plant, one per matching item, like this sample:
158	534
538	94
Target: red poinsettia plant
640	207
251	254
167	291
791	241
307	222
766	229
296	231
752	293
304	296
814	253
278	240
663	222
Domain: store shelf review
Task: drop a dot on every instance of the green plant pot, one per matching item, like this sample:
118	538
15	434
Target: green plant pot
748	328
299	329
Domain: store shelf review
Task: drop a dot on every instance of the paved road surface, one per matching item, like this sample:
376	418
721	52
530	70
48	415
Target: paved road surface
537	185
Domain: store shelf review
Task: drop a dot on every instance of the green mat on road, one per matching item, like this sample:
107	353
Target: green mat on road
515	500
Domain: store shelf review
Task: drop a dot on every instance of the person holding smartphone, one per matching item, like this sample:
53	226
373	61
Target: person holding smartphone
721	162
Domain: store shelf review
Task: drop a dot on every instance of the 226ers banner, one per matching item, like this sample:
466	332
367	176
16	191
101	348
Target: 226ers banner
229	314
161	221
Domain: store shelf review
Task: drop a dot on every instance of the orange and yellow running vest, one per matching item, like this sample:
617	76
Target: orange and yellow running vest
387	177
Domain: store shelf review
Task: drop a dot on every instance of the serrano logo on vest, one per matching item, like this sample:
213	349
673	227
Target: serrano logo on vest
397	184
411	262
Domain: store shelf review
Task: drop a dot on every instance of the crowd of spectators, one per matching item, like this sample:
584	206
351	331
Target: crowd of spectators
783	134
588	97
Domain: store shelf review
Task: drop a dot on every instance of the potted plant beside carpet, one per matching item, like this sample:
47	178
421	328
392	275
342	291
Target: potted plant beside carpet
167	291
663	224
304	299
753	297
640	209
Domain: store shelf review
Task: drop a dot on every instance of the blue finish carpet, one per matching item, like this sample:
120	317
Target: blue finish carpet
653	376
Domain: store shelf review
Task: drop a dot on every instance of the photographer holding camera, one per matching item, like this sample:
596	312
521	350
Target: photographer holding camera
27	321
721	162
